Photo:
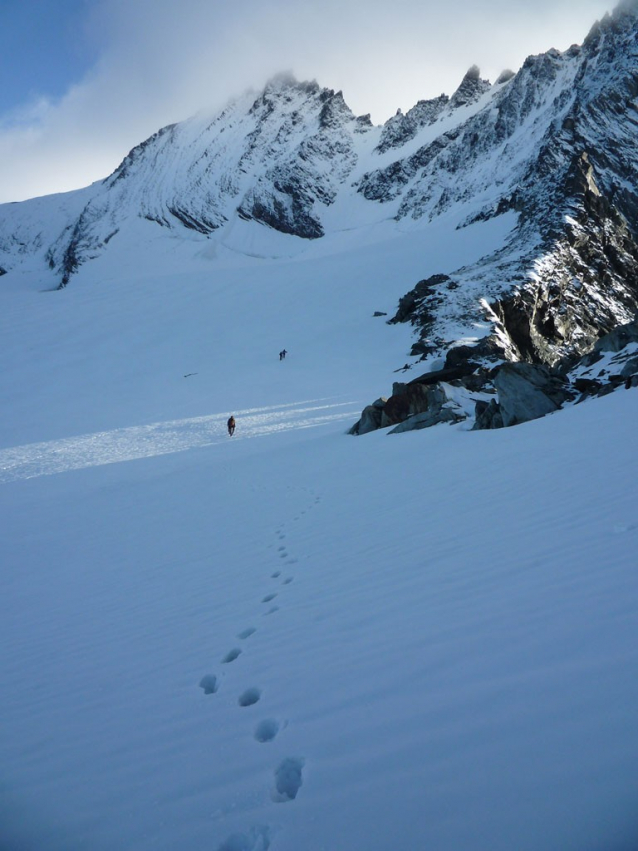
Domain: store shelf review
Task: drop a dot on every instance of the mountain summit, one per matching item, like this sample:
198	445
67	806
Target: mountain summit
549	152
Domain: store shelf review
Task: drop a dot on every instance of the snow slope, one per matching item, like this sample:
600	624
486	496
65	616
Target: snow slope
550	152
296	639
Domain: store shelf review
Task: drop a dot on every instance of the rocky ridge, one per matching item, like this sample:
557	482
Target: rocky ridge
280	158
567	276
277	158
551	149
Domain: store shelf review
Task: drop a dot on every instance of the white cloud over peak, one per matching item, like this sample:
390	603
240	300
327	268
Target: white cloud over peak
158	62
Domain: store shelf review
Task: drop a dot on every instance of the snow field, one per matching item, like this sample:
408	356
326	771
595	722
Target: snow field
296	639
439	656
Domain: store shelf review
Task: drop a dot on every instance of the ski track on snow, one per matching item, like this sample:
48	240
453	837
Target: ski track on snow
134	442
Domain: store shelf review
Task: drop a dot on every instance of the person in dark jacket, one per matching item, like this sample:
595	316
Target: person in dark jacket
231	426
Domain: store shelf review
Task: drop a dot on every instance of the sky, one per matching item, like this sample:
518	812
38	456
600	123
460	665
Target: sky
83	81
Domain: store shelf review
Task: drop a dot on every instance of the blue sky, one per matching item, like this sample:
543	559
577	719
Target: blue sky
83	81
43	49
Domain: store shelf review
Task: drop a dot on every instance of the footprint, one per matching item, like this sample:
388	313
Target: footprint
292	561
287	581
249	697
283	555
276	574
257	839
231	655
246	633
281	536
266	730
281	549
288	780
268	598
272	610
209	684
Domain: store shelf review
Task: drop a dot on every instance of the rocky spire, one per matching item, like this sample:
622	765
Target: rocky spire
471	88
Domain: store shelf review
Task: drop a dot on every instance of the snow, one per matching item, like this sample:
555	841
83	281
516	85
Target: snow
294	638
201	171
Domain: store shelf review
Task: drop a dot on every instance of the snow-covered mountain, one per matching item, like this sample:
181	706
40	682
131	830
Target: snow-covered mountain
293	158
549	153
293	639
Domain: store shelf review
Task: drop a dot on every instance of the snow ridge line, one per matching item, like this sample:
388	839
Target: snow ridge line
128	444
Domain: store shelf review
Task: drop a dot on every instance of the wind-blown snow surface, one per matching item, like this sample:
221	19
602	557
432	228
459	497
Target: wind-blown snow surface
296	639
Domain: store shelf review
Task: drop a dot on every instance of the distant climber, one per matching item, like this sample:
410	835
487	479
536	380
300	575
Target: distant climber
282	354
231	426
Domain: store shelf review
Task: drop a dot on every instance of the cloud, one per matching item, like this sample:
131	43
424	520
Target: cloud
158	62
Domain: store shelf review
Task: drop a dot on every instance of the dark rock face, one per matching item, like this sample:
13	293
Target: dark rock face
615	341
549	153
569	273
504	77
589	287
488	415
411	406
417	404
278	159
400	129
425	295
415	399
611	364
528	391
287	210
471	88
371	417
287	196
427	419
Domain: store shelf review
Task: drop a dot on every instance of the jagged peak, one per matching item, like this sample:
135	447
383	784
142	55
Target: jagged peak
624	13
287	80
431	104
504	77
540	62
335	110
625	8
471	88
283	84
473	73
364	122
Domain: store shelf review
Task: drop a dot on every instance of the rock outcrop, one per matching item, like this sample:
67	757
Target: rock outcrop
547	158
528	391
567	275
510	393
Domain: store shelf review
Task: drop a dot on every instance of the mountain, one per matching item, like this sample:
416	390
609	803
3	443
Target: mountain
294	639
548	154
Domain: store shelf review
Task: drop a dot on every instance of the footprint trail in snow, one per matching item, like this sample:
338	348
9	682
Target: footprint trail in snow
288	773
